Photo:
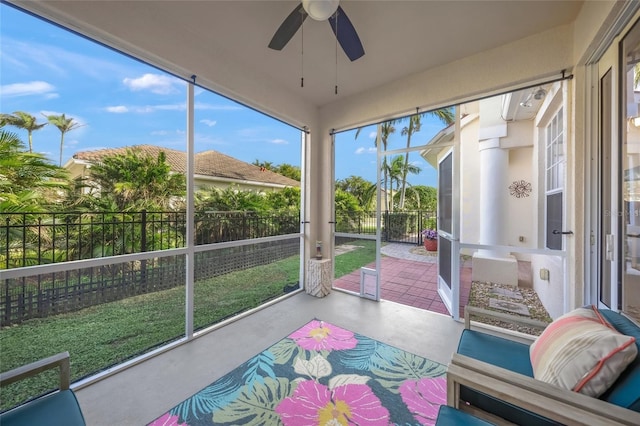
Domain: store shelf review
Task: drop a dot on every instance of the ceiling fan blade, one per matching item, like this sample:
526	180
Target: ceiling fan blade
288	28
346	34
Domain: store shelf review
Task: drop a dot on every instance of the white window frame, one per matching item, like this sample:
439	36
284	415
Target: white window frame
552	137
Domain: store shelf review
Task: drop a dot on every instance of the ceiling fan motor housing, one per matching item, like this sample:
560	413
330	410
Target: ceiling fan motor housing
320	10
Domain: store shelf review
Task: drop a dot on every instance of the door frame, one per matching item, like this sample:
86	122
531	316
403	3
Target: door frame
449	292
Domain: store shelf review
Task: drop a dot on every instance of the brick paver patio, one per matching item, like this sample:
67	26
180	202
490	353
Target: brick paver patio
410	283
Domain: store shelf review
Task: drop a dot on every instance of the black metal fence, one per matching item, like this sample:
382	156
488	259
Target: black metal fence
403	227
28	239
42	295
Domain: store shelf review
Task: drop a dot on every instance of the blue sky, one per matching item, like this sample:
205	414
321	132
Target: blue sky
119	101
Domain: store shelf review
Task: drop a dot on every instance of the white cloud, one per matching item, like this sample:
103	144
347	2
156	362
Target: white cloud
119	109
205	106
280	142
27	89
147	109
143	109
363	150
159	133
58	61
155	83
208	122
170	107
373	135
47	112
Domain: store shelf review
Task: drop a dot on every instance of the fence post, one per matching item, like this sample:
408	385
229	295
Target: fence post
244	225
143	248
6	234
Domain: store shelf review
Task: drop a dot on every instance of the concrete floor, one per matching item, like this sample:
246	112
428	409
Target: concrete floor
143	392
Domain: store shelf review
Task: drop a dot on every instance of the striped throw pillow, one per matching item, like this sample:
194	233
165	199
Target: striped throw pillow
582	352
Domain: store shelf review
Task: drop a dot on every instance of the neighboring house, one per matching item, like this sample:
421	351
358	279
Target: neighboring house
212	168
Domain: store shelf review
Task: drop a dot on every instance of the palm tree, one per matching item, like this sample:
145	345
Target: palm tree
398	170
27	180
135	181
22	120
386	129
360	188
63	124
445	115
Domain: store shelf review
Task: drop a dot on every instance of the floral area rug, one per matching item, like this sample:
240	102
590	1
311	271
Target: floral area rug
320	374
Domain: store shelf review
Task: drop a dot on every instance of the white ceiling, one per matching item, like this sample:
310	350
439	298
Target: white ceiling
212	39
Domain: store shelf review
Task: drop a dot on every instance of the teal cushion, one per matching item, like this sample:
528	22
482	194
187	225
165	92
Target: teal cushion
448	416
55	409
625	392
513	356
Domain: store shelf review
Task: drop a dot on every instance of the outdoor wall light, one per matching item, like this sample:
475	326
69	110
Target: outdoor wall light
527	102
320	10
539	94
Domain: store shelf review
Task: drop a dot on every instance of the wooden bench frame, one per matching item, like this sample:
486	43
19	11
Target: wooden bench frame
60	360
549	401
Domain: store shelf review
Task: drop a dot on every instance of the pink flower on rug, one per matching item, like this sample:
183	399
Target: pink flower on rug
314	404
167	420
424	397
319	336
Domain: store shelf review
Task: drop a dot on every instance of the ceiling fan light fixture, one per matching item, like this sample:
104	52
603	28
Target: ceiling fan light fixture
320	10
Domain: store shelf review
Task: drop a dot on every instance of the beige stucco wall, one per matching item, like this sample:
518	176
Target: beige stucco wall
522	212
549	291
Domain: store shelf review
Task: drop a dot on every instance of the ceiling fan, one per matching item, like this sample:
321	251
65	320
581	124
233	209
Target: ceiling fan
320	10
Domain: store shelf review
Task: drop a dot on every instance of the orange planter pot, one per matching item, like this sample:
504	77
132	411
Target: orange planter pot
431	245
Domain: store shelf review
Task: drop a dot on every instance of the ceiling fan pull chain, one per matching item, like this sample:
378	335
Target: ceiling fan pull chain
336	21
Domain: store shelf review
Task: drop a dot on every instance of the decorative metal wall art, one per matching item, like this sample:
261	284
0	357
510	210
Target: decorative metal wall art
520	189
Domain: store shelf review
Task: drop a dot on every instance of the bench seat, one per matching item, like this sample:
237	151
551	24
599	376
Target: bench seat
514	366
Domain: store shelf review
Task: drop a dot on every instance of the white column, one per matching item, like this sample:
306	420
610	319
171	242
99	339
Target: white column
493	265
494	162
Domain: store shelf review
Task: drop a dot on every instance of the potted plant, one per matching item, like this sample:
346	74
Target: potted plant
430	239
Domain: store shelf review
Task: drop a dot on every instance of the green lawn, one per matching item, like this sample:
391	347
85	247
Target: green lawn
105	335
348	262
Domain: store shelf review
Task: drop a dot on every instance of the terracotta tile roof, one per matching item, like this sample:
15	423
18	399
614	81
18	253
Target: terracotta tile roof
208	163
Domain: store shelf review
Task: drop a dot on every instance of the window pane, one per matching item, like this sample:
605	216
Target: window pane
629	293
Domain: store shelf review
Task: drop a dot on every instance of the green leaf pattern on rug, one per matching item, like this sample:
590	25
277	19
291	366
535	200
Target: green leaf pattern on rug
395	366
255	405
284	350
